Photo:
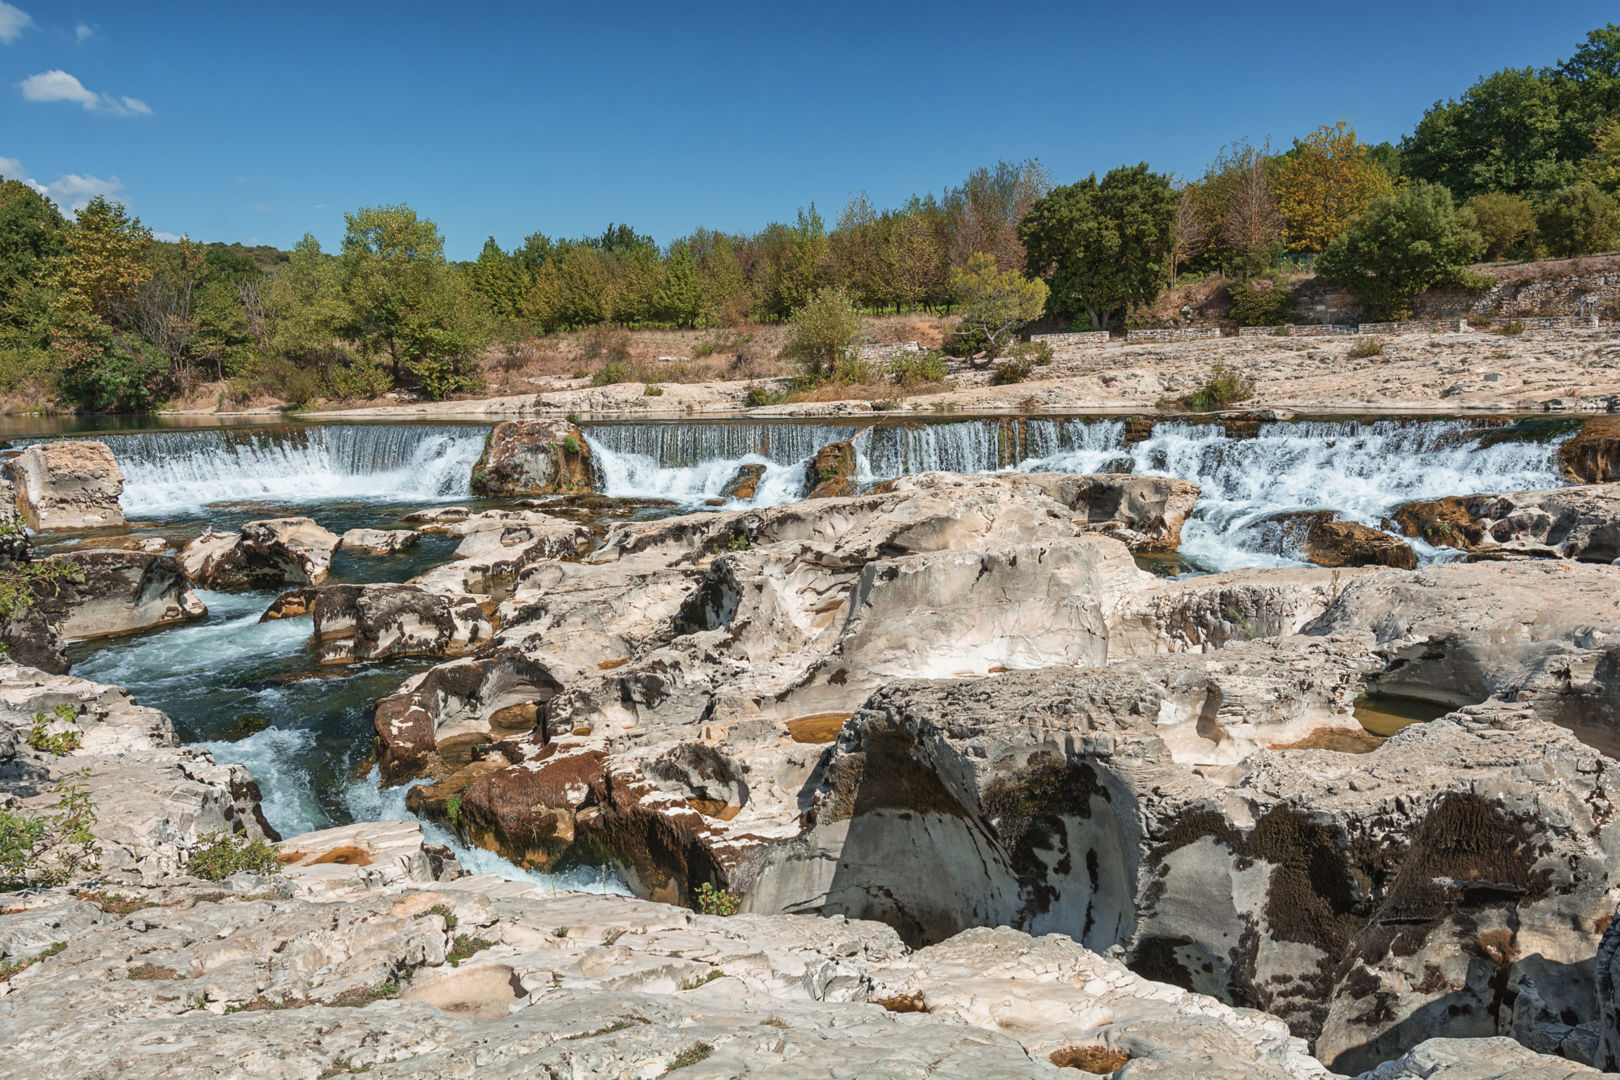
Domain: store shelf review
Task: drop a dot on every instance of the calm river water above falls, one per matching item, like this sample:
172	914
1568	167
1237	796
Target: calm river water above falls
213	675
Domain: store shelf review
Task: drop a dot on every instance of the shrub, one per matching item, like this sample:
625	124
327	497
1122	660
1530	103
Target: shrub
1014	369
26	839
1401	246
605	342
917	368
1367	346
1511	328
1580	220
1260	303
452	809
114	373
465	946
364	378
613	371
571	445
823	334
758	396
1506	222
1224	387
713	901
1039	352
219	855
652	390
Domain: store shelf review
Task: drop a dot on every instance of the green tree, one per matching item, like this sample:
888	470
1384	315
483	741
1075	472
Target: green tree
502	280
303	304
1509	132
403	302
1582	219
1103	246
32	231
1323	183
795	259
105	258
995	303
1506	222
1404	244
823	332
1603	167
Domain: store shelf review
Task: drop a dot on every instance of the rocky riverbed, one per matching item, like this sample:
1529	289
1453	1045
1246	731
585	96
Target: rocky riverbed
926	774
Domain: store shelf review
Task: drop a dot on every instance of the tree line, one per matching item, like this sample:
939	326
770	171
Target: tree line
96	314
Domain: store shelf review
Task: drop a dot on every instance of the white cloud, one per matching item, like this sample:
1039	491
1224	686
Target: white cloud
58	85
166	237
13	21
83	32
261	208
70	191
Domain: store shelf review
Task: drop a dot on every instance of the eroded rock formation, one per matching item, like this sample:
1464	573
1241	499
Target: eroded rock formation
265	554
534	457
68	484
113	591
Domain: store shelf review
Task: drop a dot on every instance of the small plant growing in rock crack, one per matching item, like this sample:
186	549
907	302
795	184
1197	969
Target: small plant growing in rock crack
738	542
10	967
571	445
219	855
465	946
26	839
362	996
63	742
1365	348
561	931
702	980
442	911
776	1022
713	901
151	971
452	810
689	1057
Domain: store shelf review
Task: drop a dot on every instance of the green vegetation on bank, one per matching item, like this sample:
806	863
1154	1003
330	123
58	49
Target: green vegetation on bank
96	314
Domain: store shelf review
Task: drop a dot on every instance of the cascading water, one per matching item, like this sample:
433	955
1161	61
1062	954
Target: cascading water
1360	469
170	471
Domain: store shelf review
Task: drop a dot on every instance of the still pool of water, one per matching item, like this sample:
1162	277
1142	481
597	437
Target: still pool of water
1385	714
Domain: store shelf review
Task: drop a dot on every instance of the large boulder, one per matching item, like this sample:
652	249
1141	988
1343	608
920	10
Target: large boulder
264	555
1581	522
1592	456
1318	536
534	457
378	622
744	485
497	545
1144	512
118	592
377	541
70	484
831	471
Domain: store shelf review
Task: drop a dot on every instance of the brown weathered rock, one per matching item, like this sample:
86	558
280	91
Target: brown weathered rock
831	472
1447	522
118	592
377	541
1143	512
1581	522
70	484
534	457
1593	455
742	487
265	554
1349	543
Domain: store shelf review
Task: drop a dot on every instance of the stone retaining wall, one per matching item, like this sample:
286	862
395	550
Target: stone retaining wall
1422	326
1084	337
1191	333
1297	330
1560	322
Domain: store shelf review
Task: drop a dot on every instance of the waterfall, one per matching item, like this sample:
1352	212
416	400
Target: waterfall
1360	469
169	471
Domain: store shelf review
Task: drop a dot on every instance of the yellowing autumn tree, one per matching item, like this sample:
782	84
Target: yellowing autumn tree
1323	183
105	260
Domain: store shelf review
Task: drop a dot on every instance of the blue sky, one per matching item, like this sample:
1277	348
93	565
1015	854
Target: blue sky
260	121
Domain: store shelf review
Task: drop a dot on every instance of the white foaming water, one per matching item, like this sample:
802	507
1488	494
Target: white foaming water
167	471
275	759
1358	469
368	800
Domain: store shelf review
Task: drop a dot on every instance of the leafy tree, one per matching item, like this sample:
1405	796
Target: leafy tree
1582	219
985	212
32	231
823	332
1233	201
1603	167
503	280
104	261
1506	222
1404	244
995	303
794	257
303	304
405	303
1508	132
1323	183
1103	246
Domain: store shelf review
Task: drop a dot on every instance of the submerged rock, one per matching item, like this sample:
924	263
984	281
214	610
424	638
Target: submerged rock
534	457
1318	536
265	554
68	484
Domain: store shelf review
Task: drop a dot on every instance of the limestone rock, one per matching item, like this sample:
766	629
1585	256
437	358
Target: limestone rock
1593	455
119	592
265	554
534	457
376	622
357	859
743	486
68	484
1144	512
1580	523
1478	1059
496	547
377	541
831	472
15	546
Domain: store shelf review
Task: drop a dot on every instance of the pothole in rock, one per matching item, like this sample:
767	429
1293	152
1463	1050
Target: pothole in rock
1097	1060
1339	740
1385	714
817	728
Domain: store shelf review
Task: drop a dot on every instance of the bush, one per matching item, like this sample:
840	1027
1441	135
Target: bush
1506	222
363	378
1511	328
1224	387
1403	245
219	855
114	373
613	371
759	396
606	342
1014	369
63	742
1582	219
67	836
917	368
1261	303
823	334
1365	347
